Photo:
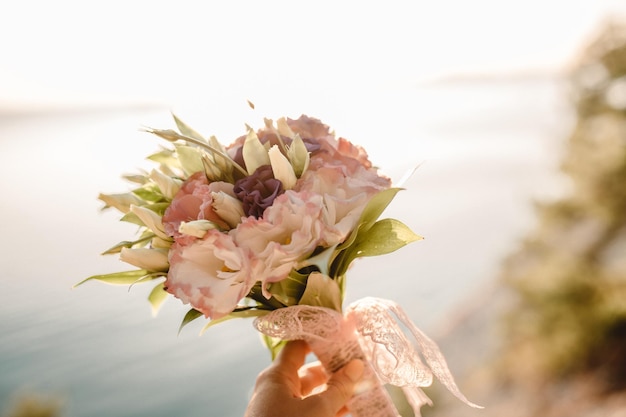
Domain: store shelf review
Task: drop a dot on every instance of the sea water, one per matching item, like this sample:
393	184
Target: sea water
487	149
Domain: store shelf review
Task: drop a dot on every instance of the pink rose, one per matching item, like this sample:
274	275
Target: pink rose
312	131
212	274
288	233
344	197
194	202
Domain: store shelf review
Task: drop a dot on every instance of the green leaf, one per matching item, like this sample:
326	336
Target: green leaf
149	277
343	256
248	312
372	211
131	217
377	206
157	297
121	202
129	244
385	236
140	179
289	290
165	157
190	159
321	261
158	208
118	278
321	291
149	192
274	345
189	317
186	130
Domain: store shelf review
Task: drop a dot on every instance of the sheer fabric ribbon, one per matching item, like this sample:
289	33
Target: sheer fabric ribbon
371	330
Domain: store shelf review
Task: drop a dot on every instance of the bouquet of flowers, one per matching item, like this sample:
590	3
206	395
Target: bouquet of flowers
267	227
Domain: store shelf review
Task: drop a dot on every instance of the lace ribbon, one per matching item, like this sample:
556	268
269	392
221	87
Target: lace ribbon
371	330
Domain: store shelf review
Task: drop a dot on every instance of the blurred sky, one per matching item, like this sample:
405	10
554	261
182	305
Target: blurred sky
361	67
279	54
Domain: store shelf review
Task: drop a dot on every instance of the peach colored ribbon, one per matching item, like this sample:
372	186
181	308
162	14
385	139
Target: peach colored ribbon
391	356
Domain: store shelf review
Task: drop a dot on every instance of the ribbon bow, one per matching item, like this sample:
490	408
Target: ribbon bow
377	324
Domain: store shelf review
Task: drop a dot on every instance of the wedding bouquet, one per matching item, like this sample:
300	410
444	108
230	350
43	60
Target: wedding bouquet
267	227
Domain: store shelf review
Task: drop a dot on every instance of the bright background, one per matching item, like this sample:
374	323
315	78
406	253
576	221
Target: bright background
472	89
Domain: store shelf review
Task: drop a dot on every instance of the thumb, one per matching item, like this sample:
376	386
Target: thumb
340	387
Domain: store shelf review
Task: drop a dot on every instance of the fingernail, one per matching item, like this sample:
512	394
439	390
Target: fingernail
354	370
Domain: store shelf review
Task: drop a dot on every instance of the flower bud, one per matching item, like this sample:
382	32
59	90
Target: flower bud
254	153
298	156
160	243
283	171
197	228
228	208
284	129
153	260
121	202
169	186
152	220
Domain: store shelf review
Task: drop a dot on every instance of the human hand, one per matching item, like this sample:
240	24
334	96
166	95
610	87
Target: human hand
284	388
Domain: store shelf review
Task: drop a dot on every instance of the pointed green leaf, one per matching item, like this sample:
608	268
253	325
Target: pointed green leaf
173	136
132	218
118	278
289	290
149	277
165	157
274	345
377	206
167	134
385	236
149	192
211	170
234	315
136	178
221	158
190	159
189	317
186	130
321	260
372	211
157	297
322	291
129	244
121	202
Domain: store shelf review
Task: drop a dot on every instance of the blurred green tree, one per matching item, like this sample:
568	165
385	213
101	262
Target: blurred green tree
570	273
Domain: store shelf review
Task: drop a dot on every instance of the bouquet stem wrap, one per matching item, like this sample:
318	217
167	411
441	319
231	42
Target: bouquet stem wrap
335	342
368	331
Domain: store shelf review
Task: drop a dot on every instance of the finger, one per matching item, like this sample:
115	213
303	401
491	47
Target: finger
339	388
312	375
291	357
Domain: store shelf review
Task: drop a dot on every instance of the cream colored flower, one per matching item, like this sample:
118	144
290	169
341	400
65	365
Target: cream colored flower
228	208
211	274
153	260
288	233
254	153
169	186
121	202
298	156
283	171
197	228
152	220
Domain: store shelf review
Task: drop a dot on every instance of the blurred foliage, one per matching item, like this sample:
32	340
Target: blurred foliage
34	405
570	273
